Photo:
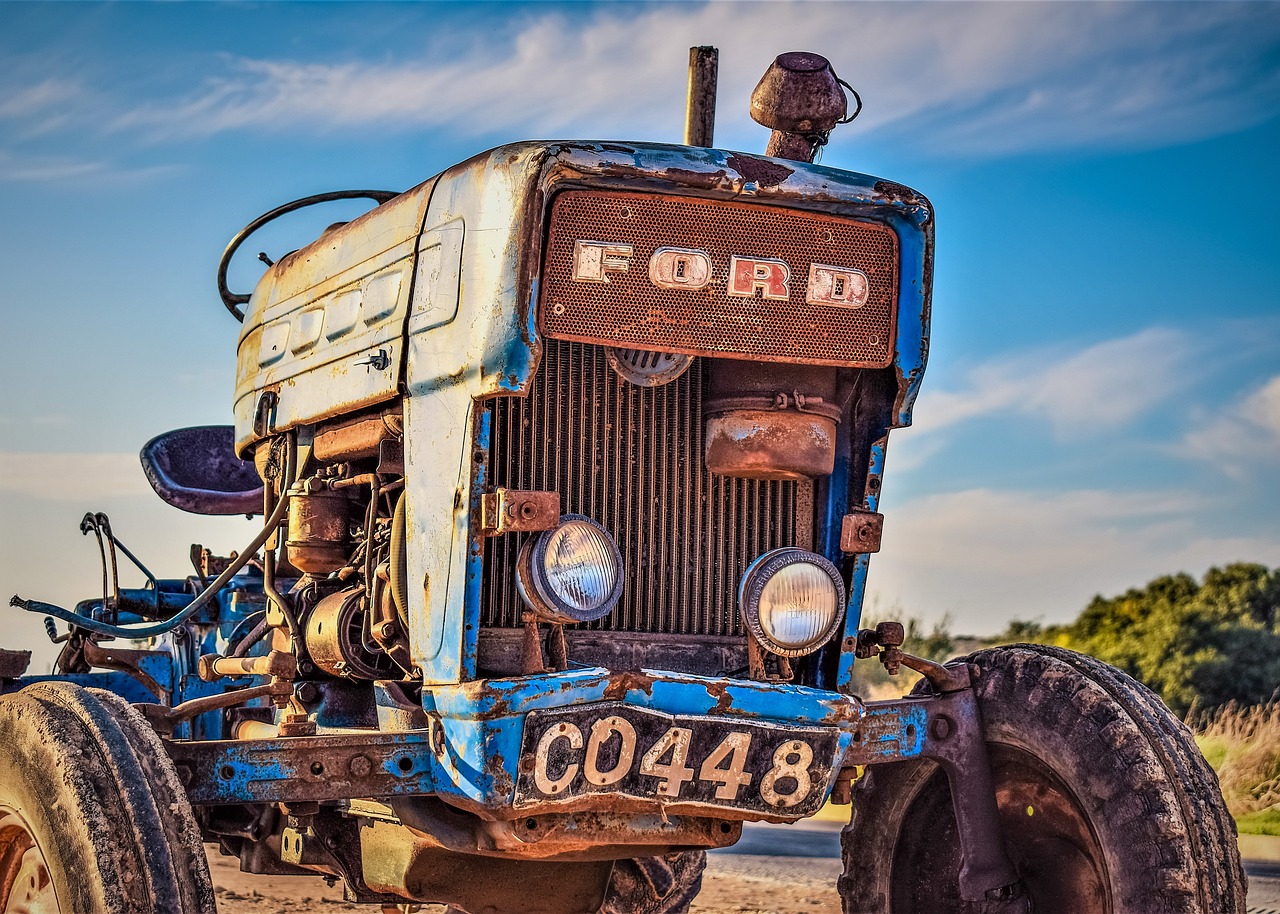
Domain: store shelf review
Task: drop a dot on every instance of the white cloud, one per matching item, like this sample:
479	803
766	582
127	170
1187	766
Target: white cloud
41	169
50	169
987	556
972	78
1246	434
39	99
1101	387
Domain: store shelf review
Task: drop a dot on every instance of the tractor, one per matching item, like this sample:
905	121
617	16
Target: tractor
568	462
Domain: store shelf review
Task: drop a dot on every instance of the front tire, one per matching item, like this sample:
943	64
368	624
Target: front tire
92	818
1106	805
655	885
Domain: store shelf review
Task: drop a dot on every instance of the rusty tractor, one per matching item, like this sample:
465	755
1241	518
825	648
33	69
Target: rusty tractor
568	461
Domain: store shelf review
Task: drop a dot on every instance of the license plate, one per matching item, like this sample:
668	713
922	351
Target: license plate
613	748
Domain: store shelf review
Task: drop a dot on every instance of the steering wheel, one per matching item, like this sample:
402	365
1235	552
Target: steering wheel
233	300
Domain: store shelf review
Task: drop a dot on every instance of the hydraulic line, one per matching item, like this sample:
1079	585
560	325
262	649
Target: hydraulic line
159	628
400	561
269	557
242	645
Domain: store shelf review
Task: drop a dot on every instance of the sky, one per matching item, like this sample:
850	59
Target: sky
1102	404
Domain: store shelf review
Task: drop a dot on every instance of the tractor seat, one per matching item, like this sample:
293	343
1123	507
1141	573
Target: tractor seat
197	470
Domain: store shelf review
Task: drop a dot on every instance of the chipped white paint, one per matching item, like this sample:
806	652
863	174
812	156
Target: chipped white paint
319	314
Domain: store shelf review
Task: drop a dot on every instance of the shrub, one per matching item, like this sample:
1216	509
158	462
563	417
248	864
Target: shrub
1243	746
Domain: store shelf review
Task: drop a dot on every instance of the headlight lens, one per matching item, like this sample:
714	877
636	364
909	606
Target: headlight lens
792	601
572	573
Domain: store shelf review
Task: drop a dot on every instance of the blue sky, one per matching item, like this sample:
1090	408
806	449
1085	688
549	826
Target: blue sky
1103	398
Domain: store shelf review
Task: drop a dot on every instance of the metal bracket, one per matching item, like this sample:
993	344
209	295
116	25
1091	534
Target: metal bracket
131	662
860	532
955	741
305	768
518	511
947	729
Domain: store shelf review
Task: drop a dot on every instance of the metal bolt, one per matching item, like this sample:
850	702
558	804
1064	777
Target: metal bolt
307	692
360	766
941	728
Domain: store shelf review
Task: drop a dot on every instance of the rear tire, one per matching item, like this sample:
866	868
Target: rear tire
92	811
1106	804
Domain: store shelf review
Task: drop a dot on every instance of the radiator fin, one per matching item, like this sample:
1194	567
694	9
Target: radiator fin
631	458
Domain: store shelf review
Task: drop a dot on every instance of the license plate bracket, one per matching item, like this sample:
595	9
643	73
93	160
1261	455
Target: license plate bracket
616	749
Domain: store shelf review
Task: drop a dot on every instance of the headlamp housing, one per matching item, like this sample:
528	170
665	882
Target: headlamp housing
792	601
570	573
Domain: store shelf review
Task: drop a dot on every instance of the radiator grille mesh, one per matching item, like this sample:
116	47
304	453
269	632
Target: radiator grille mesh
631	458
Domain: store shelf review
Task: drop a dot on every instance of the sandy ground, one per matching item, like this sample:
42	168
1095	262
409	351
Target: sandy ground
733	884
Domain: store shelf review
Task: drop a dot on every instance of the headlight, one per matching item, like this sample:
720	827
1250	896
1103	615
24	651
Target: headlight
792	601
572	573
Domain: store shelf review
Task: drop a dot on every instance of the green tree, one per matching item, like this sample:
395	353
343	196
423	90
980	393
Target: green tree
1204	643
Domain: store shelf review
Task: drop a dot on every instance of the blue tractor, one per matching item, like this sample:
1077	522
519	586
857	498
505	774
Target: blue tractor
568	462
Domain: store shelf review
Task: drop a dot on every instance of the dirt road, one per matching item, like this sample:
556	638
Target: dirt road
733	884
788	871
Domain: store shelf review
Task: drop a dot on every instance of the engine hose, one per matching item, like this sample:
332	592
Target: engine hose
400	561
242	645
168	625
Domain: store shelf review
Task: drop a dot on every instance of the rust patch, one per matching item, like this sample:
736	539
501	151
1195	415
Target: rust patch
724	701
761	444
496	766
900	193
844	713
705	179
622	683
762	171
501	707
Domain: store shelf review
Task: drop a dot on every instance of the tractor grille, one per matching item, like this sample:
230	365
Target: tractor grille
631	458
630	310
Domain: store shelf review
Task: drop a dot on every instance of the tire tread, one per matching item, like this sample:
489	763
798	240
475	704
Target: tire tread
1138	760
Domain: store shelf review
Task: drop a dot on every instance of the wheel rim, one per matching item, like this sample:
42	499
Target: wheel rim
1047	833
25	884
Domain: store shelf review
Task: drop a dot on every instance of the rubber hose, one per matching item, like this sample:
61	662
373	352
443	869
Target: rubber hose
159	628
400	561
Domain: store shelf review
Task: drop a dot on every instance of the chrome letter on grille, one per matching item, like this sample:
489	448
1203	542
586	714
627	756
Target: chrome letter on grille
679	268
771	277
594	260
838	286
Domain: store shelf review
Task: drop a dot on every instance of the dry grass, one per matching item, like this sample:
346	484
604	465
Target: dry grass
1243	746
